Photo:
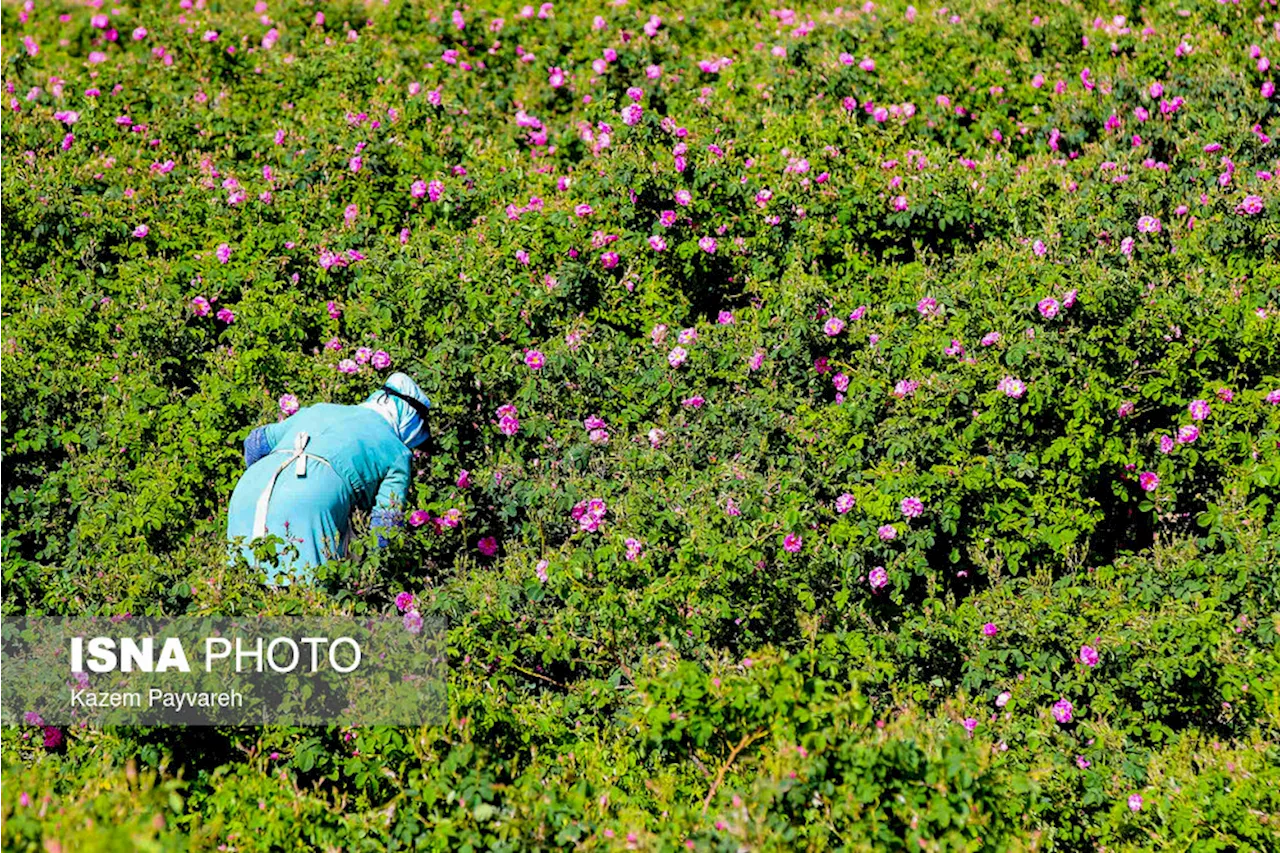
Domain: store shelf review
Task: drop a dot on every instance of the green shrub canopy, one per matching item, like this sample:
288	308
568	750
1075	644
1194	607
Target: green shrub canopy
852	426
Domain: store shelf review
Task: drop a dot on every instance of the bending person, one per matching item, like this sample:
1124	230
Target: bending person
307	474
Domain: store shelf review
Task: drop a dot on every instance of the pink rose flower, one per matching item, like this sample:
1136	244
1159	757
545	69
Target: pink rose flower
1011	387
1251	205
1148	225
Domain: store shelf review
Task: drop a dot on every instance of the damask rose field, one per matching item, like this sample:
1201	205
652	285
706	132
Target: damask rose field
851	426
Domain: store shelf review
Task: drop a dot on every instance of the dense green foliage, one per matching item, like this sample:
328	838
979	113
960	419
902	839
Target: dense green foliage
937	424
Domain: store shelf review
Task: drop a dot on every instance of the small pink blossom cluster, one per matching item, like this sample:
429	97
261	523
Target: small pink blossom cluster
433	191
905	388
202	307
380	359
508	422
589	514
330	260
929	307
596	431
1011	387
535	205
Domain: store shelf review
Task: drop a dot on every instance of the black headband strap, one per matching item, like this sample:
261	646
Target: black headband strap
414	403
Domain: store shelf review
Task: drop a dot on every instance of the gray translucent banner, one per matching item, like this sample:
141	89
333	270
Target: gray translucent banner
220	671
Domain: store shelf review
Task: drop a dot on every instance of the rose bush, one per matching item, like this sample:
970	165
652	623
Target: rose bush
812	387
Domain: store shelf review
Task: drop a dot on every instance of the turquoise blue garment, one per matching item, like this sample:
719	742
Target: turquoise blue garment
367	451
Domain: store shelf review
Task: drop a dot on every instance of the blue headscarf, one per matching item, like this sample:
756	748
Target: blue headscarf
406	422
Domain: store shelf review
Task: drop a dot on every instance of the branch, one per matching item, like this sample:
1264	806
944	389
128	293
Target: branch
746	741
533	674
